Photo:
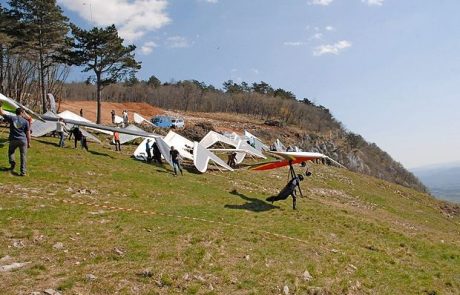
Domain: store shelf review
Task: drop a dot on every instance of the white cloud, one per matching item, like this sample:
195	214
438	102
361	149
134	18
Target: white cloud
255	71
335	48
148	47
133	18
293	43
211	1
329	28
317	36
320	2
177	42
373	2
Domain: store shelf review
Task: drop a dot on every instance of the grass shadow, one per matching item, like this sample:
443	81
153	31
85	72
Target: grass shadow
47	142
101	154
252	204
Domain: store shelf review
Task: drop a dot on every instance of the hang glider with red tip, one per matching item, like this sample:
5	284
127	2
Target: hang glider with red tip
290	158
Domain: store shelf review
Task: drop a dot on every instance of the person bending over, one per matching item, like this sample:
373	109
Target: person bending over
288	190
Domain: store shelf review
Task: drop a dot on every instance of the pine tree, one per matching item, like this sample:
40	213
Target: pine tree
45	31
101	51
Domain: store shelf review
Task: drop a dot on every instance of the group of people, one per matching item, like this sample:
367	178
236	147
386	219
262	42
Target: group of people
19	138
156	156
74	131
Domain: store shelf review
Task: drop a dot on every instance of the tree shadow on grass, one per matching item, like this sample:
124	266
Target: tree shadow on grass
252	204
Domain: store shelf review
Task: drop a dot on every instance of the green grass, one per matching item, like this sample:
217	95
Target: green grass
357	234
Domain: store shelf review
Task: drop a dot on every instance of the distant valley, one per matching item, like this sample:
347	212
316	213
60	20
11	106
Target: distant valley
442	180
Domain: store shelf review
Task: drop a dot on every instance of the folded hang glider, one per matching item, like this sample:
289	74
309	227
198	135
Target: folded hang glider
241	147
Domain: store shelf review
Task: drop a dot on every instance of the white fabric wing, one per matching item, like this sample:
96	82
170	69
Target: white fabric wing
201	158
180	143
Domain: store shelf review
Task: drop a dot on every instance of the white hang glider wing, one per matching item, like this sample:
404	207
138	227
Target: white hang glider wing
124	138
107	129
118	119
69	116
213	137
141	152
257	143
201	158
52	103
279	146
180	143
40	129
241	146
10	106
138	119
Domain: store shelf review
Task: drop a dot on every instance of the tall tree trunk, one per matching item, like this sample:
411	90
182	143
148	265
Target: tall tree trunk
98	98
1	69
42	81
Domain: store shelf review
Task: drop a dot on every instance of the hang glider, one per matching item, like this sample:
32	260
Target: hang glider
180	143
40	129
117	119
69	116
52	103
138	119
256	142
187	149
10	106
290	158
241	146
124	138
201	158
106	129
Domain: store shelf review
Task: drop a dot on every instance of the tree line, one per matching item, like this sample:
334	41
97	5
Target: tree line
38	44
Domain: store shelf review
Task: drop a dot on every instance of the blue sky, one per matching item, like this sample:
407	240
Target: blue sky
388	69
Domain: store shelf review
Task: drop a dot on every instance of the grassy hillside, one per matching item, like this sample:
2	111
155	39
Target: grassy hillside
102	223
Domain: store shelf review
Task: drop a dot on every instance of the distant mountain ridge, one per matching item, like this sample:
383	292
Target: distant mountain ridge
442	180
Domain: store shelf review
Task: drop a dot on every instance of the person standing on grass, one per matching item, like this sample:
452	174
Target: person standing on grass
156	153
148	150
19	137
113	116
175	157
77	135
116	140
60	128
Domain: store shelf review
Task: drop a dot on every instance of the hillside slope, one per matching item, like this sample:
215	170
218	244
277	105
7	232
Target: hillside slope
102	223
318	129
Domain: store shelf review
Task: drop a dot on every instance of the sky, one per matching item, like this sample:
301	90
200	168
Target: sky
387	69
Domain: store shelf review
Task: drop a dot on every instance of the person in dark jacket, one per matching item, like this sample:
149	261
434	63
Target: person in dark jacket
288	190
156	153
175	157
77	135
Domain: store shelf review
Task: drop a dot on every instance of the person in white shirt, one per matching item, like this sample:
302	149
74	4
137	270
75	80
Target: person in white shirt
60	128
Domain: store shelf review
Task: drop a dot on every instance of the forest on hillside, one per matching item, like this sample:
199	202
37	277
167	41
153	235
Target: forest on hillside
39	46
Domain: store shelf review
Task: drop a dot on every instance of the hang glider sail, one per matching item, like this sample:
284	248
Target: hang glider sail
138	119
180	143
241	146
289	158
10	106
256	142
124	138
201	158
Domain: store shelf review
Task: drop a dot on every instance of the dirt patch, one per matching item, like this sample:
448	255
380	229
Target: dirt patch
89	109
